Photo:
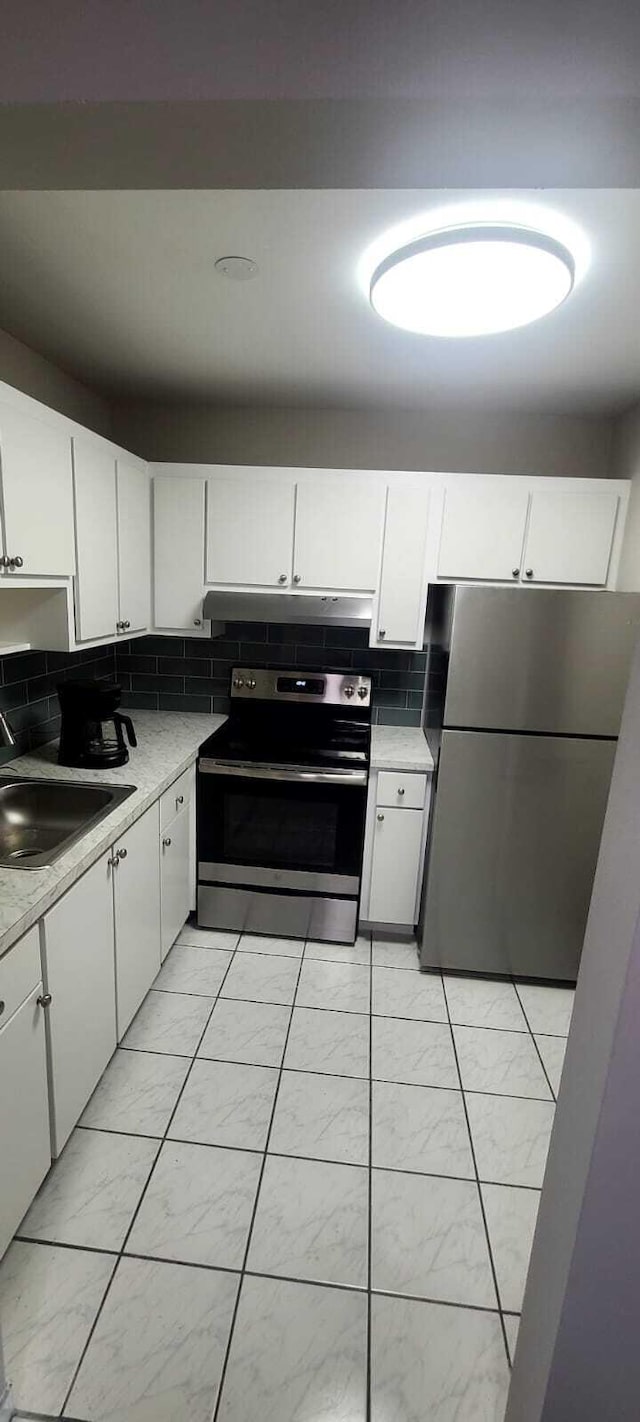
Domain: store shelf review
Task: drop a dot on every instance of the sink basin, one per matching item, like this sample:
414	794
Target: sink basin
40	819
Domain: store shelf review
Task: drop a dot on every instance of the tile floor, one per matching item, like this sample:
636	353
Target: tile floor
248	1223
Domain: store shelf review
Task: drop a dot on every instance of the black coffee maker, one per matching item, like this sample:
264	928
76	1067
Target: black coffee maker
92	730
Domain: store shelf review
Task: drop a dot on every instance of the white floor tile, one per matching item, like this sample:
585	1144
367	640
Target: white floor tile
208	937
137	1093
511	1221
90	1194
257	977
322	1117
503	1062
311	1222
420	1128
298	1354
49	1300
431	1361
418	1053
170	1022
281	947
246	1032
195	970
358	952
333	1042
412	995
342	987
552	1050
159	1345
510	1138
548	1009
428	1239
226	1104
198	1205
483	1002
395	953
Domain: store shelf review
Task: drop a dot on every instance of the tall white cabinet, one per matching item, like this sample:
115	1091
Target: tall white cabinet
178	544
134	547
37	496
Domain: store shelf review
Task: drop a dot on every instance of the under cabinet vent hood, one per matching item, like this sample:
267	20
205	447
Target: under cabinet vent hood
283	607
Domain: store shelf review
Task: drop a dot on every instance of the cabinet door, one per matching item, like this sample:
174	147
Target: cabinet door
338	533
79	973
134	547
483	532
403	589
37	491
96	588
137	914
249	532
24	1113
178	518
396	866
175	887
570	536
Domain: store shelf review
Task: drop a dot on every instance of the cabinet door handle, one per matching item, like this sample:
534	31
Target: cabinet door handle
515	572
4	561
167	842
382	632
114	862
16	562
380	818
197	622
528	572
122	854
282	578
44	1000
297	577
179	800
2	1007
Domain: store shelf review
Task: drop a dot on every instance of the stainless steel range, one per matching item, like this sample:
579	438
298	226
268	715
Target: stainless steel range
282	790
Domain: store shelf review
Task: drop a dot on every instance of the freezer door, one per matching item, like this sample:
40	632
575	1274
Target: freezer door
540	660
513	848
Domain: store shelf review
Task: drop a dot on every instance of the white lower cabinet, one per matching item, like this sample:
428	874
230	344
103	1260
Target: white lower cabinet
396	866
25	1146
79	974
175	877
136	867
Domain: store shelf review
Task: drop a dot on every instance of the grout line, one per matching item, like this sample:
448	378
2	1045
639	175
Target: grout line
481	1201
533	1038
243	1270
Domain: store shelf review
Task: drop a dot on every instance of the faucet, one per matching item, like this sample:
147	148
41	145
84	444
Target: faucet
7	738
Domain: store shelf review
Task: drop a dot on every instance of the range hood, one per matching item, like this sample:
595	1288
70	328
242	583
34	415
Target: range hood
284	607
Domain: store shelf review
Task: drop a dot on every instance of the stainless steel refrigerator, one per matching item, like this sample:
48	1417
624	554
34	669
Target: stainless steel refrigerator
523	730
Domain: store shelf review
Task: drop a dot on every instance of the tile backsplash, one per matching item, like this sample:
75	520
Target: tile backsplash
28	683
192	674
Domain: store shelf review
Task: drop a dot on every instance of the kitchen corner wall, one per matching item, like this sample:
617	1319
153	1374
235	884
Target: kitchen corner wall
28	697
189	674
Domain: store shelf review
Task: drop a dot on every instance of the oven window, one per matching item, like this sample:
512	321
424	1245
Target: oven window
281	831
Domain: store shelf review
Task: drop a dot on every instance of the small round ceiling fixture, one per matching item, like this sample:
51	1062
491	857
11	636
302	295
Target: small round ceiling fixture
237	268
475	279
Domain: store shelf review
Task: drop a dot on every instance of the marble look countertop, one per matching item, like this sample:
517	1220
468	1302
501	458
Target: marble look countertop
399	748
168	743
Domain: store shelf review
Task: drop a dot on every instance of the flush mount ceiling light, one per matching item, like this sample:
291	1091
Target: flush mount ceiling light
237	268
472	279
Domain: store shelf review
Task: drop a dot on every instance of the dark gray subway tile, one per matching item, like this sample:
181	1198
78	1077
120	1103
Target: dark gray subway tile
246	631
27	664
158	646
146	682
184	703
221	705
206	686
355	638
139	700
414	700
390	717
389	698
136	663
222	648
304	636
184	666
14	695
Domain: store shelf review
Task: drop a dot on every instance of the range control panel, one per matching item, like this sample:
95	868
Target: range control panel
326	688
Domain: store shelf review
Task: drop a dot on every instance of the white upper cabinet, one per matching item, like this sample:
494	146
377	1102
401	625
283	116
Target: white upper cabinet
37	495
483	529
178	521
134	547
249	531
570	536
400	612
96	592
338	532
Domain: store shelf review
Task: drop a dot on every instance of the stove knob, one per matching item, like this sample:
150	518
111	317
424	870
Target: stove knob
362	692
349	690
238	682
251	685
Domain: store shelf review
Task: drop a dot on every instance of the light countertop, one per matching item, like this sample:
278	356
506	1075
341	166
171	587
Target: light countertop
399	748
168	743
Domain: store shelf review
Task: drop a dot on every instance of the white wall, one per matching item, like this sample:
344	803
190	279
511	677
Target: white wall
32	373
453	441
627	466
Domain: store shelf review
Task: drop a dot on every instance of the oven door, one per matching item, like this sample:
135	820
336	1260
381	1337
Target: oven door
284	828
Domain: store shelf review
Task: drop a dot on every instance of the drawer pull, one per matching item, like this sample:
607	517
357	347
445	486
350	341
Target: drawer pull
44	1000
401	789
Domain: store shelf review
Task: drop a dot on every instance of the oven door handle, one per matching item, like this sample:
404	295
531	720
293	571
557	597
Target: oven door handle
294	774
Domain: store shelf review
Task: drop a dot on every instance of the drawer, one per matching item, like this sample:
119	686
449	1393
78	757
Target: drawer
177	796
402	790
20	972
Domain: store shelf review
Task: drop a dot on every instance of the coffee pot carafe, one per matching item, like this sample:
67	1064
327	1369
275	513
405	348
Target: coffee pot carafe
92	730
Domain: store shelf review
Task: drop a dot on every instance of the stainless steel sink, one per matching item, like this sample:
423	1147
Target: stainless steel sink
40	819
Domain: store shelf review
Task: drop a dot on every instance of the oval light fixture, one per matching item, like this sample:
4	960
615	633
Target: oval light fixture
475	279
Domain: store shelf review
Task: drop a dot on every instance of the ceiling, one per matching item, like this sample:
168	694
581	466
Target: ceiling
120	289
